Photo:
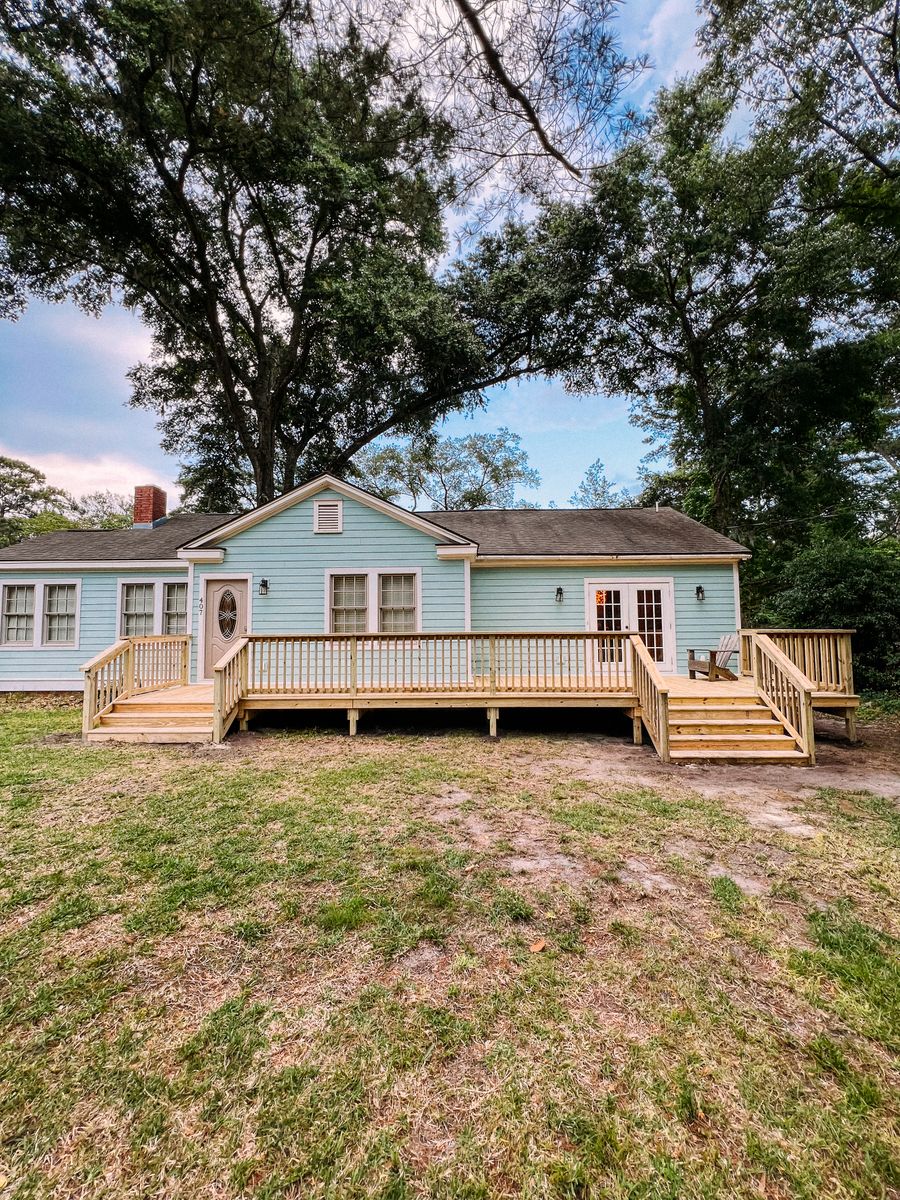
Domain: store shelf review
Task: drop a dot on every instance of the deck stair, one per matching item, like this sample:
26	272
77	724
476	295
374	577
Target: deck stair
171	715
728	727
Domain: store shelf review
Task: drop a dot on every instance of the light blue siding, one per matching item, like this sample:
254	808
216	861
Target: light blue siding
295	561
525	598
97	625
284	550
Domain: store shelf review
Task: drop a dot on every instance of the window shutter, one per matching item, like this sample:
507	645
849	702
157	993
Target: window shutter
328	516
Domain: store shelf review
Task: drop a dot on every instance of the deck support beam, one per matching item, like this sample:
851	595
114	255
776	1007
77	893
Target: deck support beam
850	724
353	719
637	728
492	716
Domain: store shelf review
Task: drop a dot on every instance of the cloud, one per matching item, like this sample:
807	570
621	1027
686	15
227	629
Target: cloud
670	39
117	337
106	472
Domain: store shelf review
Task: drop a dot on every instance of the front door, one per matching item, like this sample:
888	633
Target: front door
225	617
645	607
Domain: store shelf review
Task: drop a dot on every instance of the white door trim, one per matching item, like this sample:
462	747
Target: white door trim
205	580
666	583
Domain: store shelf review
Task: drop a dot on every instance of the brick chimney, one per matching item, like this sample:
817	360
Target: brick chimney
149	506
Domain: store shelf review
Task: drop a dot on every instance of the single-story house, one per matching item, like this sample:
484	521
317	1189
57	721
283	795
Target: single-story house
329	569
330	558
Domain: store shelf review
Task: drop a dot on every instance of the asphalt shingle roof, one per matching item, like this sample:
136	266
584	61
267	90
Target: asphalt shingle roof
115	545
584	531
519	532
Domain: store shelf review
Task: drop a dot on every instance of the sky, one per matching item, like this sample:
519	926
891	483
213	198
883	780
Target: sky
64	390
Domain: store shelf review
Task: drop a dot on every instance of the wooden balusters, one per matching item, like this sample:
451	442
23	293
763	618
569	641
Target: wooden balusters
653	694
787	691
824	656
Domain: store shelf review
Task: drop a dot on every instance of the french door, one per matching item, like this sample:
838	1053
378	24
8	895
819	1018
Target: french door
644	606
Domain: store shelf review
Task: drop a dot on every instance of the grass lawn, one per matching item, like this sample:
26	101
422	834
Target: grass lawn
430	965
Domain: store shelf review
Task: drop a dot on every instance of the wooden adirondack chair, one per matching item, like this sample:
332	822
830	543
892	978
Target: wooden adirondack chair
715	665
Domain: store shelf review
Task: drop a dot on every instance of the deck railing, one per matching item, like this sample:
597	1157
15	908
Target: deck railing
229	686
501	663
130	666
823	655
480	664
653	694
786	690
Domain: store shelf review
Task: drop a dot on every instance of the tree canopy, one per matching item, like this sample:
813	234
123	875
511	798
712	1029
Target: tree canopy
272	207
480	470
700	282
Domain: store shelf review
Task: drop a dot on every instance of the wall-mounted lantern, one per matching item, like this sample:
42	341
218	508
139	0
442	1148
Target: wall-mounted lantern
559	595
699	592
264	587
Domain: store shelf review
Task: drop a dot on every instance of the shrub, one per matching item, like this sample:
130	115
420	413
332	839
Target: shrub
847	585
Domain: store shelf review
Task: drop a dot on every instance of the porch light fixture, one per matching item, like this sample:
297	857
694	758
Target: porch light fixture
699	592
264	587
559	595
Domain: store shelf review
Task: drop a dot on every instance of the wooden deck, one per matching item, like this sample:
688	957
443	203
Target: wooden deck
136	691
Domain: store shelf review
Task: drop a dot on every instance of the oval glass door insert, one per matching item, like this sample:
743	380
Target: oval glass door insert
227	614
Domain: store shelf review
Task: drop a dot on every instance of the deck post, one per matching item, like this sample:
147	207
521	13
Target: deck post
128	670
492	715
354	643
637	727
218	706
353	718
850	723
492	659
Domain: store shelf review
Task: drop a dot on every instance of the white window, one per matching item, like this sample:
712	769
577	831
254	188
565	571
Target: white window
175	608
372	601
396	604
152	606
328	516
60	608
138	604
349	607
18	614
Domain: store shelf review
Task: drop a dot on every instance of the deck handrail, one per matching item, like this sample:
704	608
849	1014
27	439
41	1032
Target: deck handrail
494	663
786	690
653	694
824	656
229	686
130	666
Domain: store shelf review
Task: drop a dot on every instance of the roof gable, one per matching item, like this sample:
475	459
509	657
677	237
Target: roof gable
307	490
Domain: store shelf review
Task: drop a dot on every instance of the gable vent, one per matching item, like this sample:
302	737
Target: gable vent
328	516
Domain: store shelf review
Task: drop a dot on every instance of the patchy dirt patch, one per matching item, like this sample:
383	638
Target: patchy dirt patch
636	871
532	845
777	812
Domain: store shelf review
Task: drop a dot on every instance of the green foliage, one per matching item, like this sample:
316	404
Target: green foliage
727	893
24	496
847	585
596	491
270	204
481	470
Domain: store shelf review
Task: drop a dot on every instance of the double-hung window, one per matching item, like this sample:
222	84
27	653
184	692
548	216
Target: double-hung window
349	603
152	606
138	609
36	615
396	603
18	614
175	608
60	607
374	601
